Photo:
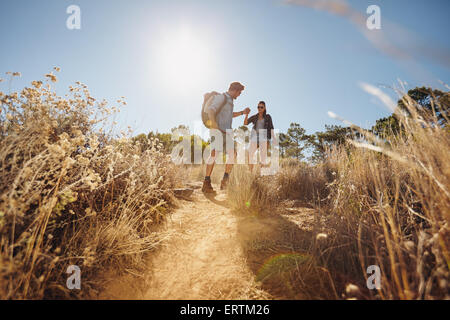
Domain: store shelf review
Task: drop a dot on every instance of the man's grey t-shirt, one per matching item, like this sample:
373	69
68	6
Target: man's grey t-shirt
224	119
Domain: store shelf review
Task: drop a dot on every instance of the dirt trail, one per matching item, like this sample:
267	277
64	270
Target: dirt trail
213	253
204	260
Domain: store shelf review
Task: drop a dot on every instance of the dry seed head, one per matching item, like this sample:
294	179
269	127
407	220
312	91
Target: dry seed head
52	77
68	162
352	289
37	84
321	237
56	150
409	245
82	160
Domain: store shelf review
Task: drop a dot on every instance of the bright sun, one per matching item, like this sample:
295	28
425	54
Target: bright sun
185	61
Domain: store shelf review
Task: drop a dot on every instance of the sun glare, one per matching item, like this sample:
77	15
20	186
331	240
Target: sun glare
184	61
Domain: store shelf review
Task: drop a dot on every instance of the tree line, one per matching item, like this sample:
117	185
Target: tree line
296	143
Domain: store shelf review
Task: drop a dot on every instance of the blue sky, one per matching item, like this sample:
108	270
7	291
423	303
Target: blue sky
303	62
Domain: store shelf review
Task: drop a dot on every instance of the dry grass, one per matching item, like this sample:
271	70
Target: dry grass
386	203
73	195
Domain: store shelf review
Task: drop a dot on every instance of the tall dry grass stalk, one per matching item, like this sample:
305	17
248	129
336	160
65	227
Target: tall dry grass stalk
70	194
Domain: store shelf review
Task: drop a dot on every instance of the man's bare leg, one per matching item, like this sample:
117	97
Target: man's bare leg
228	167
210	163
207	187
230	161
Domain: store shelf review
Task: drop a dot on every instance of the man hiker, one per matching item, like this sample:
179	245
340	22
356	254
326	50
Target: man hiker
220	112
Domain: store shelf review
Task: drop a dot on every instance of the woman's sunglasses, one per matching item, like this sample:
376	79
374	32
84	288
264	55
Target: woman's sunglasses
260	107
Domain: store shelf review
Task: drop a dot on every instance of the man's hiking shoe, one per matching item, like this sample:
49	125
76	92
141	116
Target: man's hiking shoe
223	184
207	187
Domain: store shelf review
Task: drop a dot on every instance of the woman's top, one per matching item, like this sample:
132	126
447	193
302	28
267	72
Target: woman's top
259	124
265	123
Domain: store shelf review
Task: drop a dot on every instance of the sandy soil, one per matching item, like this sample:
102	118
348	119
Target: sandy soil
213	253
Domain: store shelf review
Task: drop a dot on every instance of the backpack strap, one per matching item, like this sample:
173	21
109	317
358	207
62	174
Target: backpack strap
222	105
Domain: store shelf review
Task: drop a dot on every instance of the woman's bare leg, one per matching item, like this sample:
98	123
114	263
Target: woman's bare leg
251	154
263	148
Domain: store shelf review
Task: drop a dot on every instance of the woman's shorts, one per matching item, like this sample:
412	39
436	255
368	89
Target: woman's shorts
257	140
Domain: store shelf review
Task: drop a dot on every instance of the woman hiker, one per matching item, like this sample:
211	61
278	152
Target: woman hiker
261	134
